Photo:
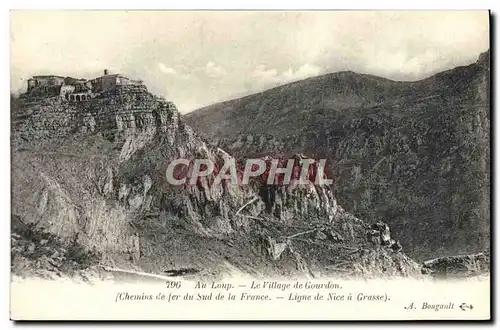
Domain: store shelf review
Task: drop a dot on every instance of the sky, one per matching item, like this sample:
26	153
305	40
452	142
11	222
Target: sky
199	58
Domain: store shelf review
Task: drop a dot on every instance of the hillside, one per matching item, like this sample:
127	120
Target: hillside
413	154
89	191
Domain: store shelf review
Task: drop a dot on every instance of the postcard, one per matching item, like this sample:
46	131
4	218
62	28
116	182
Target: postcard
250	165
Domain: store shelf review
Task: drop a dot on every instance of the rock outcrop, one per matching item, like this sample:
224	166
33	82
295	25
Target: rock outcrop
468	265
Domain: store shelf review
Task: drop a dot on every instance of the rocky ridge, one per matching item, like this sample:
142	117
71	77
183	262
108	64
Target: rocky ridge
92	174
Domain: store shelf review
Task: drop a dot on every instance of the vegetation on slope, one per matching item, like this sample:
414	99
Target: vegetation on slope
413	154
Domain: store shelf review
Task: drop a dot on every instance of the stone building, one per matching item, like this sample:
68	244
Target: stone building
66	90
74	89
111	81
44	81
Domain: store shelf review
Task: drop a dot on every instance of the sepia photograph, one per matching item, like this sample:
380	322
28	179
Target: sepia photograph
303	164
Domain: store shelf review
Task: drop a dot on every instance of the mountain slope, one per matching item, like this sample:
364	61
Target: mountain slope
92	175
413	154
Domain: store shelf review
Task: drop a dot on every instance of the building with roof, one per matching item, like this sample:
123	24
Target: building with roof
74	89
41	81
108	82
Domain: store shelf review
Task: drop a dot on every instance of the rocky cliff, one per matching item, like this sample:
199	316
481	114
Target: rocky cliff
413	154
91	175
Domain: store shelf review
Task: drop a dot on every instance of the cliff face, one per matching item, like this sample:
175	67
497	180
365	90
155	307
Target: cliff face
118	115
93	174
412	154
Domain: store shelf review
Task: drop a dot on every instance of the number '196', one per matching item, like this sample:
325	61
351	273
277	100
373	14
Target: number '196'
173	284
